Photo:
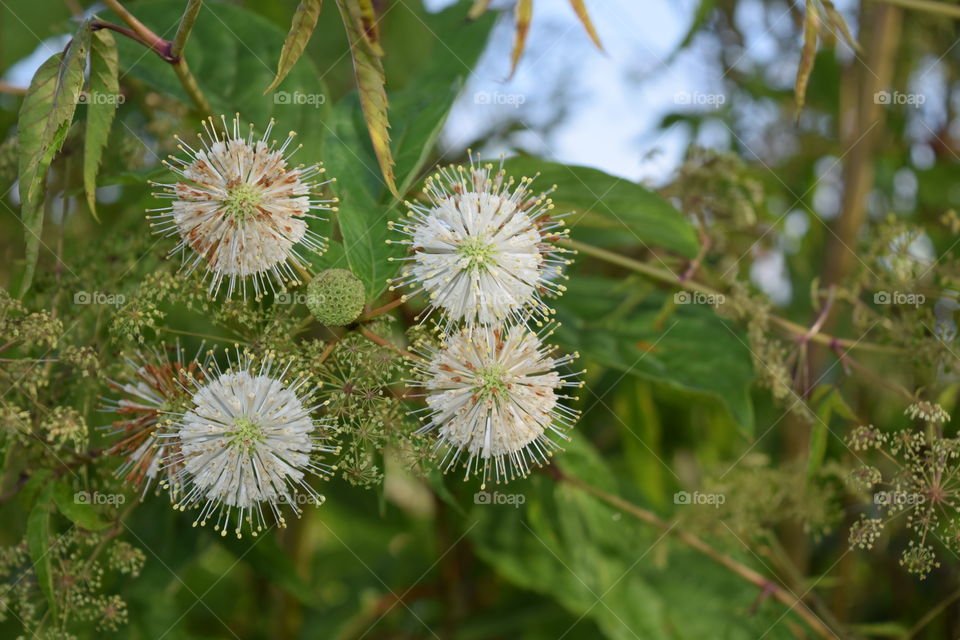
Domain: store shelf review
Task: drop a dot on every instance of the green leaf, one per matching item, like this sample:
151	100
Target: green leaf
304	22
371	82
419	111
101	108
633	402
38	544
629	578
361	218
44	118
686	349
606	202
82	514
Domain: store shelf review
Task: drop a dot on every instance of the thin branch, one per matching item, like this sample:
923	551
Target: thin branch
393	304
186	25
933	613
171	52
369	335
142	31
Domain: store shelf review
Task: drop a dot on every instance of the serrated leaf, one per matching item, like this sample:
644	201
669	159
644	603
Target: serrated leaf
371	84
581	10
366	17
38	544
523	14
811	25
836	20
101	108
82	514
42	125
304	21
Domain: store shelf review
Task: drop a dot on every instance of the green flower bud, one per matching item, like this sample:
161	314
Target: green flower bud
335	297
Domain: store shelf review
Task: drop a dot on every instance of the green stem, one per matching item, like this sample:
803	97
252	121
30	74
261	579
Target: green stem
190	85
186	25
930	6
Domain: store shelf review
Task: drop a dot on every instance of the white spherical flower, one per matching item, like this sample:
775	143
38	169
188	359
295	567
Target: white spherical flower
246	447
483	246
493	400
240	209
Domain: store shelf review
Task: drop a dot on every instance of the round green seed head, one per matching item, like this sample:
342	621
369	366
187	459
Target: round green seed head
335	297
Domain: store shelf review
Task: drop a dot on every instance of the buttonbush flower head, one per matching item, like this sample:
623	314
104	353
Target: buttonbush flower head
493	399
483	245
335	297
241	209
154	389
247	445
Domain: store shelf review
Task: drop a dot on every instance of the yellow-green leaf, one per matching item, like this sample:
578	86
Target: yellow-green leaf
477	9
523	13
371	84
810	27
304	22
101	108
835	18
368	25
44	119
581	9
